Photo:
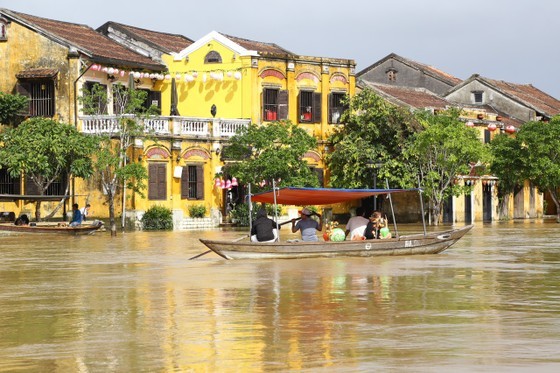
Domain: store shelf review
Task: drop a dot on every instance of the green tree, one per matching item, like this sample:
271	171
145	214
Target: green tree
44	151
445	149
505	156
374	133
540	154
269	152
10	107
115	173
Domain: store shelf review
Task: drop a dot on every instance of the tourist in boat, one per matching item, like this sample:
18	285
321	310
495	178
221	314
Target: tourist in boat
263	228
85	211
376	222
308	226
356	226
22	220
76	216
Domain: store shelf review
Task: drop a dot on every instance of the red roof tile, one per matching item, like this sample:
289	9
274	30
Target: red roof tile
102	49
414	97
165	41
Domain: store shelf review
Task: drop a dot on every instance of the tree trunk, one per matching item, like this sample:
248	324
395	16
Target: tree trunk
38	211
112	222
504	208
554	196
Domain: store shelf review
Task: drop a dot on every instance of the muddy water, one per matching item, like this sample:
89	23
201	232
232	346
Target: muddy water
136	303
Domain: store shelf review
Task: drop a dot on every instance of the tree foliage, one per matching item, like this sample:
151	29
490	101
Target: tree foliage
539	144
374	133
44	151
114	172
445	149
269	152
505	158
10	107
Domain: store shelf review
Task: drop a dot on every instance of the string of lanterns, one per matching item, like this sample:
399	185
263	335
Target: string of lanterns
188	77
225	184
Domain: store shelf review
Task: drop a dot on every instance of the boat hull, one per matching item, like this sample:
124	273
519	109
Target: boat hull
50	229
417	244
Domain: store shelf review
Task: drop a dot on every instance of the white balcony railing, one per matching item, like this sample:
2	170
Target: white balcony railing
228	127
181	126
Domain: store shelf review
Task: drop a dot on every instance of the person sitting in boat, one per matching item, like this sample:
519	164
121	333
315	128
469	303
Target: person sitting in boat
22	220
308	226
356	226
264	229
76	216
376	223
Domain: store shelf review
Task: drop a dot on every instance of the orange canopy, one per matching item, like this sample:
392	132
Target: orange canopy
319	196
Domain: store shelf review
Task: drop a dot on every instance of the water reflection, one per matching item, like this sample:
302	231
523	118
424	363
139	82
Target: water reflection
137	303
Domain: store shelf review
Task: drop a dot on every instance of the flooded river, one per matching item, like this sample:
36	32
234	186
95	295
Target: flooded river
136	303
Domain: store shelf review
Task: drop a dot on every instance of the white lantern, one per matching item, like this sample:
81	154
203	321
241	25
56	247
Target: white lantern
237	75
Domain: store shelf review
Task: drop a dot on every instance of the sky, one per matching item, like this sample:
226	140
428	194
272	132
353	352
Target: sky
510	40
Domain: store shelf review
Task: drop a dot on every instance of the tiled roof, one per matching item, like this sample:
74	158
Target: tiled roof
259	46
101	48
37	73
430	70
164	41
414	97
531	96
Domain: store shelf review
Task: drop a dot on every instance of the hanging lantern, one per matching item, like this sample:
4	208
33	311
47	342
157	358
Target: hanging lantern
237	75
469	124
217	182
492	127
222	184
167	77
510	129
137	75
203	78
121	73
104	69
234	181
228	184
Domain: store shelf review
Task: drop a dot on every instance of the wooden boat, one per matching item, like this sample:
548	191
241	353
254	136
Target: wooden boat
431	243
51	228
414	244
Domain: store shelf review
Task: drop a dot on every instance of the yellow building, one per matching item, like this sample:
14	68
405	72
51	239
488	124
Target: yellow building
50	61
217	85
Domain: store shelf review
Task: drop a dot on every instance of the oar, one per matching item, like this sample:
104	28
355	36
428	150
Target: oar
206	252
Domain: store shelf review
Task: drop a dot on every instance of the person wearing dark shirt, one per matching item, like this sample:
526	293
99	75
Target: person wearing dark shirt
264	229
76	216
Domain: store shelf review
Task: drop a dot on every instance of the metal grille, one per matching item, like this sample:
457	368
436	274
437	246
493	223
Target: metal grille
270	104
41	103
8	184
306	106
192	182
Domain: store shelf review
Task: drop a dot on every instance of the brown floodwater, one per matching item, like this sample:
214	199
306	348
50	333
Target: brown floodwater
136	303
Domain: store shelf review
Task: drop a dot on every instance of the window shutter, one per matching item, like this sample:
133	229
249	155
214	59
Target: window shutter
185	183
152	181
199	182
157	181
319	172
330	108
283	105
162	181
154	98
24	89
299	105
316	107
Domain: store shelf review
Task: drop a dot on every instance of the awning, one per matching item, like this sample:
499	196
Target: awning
320	196
37	73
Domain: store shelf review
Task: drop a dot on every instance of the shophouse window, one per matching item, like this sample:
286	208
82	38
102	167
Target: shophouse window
157	181
275	104
41	97
192	182
309	107
97	104
56	188
8	184
213	57
337	106
477	97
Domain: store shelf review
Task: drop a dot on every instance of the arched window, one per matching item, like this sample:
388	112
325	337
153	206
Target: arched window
213	57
